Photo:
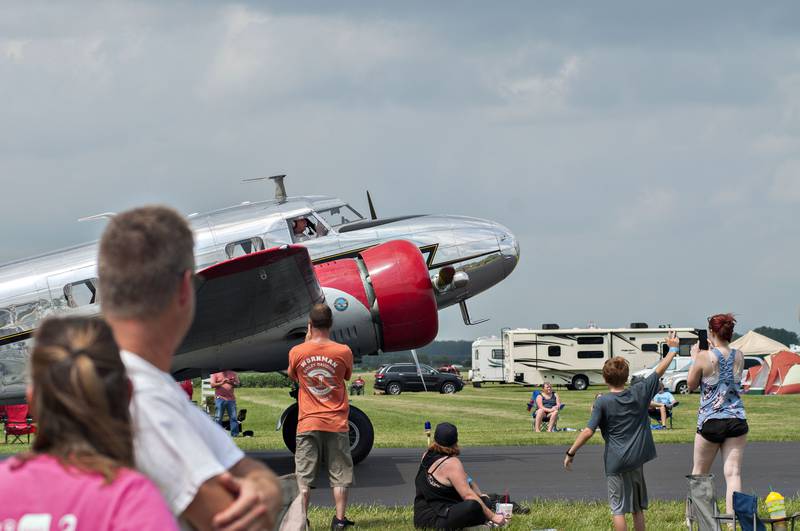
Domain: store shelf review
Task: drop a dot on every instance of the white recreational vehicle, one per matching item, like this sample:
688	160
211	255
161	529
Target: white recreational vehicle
487	360
575	356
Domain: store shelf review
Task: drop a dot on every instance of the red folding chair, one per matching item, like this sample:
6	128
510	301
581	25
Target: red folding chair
18	423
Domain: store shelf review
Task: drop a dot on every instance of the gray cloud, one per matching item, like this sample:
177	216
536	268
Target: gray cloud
646	156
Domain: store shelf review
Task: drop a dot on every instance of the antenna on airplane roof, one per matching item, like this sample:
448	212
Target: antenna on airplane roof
280	189
372	213
104	215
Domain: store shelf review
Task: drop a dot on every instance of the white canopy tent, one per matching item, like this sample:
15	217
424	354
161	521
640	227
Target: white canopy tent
754	344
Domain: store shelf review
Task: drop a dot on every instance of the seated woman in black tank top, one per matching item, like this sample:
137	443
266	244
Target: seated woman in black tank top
445	498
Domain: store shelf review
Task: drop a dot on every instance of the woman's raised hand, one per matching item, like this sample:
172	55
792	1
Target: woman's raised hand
695	350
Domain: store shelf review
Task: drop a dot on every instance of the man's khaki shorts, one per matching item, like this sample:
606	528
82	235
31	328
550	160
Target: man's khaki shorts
333	448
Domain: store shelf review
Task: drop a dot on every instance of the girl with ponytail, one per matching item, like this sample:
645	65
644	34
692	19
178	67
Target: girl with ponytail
721	420
79	474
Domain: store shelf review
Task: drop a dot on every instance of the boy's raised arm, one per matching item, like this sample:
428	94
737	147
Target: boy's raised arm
674	347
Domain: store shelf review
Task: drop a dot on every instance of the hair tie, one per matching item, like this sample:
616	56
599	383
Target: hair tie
79	352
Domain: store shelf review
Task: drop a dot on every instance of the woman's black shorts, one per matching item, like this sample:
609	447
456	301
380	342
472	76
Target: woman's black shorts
717	430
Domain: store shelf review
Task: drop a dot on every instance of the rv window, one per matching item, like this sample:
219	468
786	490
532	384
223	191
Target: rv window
686	346
497	353
590	340
553	351
649	347
81	293
584	354
243	247
476	354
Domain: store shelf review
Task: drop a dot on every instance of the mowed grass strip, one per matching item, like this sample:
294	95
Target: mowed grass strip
545	514
492	415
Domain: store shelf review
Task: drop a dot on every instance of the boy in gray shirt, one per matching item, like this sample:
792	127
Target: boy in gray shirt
622	418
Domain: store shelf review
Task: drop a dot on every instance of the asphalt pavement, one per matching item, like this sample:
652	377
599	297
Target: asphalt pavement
387	476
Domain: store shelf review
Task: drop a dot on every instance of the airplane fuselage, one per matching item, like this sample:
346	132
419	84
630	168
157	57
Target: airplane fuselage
65	282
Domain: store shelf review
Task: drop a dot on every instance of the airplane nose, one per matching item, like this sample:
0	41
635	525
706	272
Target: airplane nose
509	248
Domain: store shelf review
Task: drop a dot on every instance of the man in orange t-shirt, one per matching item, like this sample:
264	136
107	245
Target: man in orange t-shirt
321	367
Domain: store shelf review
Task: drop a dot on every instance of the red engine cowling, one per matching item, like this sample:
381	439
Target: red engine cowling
392	284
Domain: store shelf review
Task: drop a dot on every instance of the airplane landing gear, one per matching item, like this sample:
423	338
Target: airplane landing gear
362	434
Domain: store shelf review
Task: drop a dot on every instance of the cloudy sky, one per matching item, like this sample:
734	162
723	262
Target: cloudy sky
646	156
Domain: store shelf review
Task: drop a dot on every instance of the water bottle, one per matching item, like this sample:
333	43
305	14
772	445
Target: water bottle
777	509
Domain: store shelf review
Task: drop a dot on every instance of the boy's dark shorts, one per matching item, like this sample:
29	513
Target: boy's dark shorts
717	430
627	492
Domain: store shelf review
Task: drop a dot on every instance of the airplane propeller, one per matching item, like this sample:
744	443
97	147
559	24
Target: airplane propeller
372	213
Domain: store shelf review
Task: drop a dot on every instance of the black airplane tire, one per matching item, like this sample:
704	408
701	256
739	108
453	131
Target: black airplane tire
580	382
394	388
362	433
290	427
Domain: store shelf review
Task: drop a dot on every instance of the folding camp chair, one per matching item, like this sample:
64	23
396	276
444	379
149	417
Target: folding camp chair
18	423
701	505
532	407
745	509
656	415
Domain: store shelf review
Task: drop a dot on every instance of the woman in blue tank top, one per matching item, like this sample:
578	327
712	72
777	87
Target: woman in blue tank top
721	421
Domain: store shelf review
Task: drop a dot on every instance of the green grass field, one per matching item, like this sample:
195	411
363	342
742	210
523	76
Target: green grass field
496	415
545	514
492	415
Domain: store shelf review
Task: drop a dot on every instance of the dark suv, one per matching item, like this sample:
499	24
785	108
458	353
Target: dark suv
399	377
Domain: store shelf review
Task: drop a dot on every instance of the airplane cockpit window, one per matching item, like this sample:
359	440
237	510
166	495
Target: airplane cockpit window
81	293
243	247
340	215
306	228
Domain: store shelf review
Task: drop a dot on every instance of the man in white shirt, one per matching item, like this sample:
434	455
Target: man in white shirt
146	269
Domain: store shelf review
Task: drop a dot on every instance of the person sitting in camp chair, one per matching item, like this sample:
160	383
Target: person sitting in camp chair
545	406
357	387
661	407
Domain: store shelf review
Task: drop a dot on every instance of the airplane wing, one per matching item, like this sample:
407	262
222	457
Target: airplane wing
7	339
251	294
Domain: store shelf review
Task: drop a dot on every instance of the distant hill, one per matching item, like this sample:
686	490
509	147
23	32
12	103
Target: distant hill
436	354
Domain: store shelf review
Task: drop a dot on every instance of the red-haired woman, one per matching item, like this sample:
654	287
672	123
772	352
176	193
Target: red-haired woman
721	420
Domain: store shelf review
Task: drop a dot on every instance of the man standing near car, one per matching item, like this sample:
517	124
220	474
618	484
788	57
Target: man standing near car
321	367
223	384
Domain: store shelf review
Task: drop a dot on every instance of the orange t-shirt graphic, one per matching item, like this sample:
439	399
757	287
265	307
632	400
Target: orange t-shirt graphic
321	369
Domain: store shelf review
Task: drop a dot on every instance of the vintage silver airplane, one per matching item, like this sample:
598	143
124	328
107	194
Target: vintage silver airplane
262	265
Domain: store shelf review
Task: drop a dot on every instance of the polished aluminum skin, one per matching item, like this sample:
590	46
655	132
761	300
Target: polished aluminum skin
64	282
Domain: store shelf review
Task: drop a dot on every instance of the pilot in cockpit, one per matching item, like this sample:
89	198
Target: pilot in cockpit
303	229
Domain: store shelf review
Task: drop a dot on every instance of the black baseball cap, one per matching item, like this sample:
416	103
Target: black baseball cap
446	434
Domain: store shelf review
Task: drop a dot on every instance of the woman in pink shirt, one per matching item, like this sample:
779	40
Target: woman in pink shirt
79	474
